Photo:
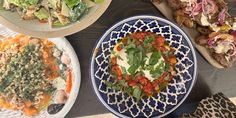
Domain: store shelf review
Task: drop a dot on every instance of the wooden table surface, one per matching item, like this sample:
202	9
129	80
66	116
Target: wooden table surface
209	81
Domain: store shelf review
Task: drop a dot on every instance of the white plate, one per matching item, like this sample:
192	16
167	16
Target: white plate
34	28
64	45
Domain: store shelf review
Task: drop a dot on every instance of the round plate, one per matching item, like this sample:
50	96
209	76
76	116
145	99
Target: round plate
120	103
64	45
34	28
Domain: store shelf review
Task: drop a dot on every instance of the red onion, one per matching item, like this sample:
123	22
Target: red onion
221	17
194	8
210	42
197	8
233	46
209	6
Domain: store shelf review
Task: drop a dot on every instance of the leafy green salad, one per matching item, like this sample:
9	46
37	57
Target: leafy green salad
55	12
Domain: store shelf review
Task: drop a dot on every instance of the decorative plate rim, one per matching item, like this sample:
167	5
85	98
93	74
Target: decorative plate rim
98	43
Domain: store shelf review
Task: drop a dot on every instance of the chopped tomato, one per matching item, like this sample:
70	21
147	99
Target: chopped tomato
138	77
155	83
119	48
143	81
143	34
148	89
172	49
149	33
117	71
119	77
137	43
128	77
160	48
165	58
170	77
113	69
139	36
113	60
172	59
160	40
132	83
161	79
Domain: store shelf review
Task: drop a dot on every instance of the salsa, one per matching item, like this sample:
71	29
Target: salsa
142	64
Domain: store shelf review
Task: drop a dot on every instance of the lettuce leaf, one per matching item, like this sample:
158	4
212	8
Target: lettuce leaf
24	3
72	3
57	23
137	93
78	11
42	14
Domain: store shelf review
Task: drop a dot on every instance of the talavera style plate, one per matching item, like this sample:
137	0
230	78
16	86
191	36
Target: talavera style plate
120	103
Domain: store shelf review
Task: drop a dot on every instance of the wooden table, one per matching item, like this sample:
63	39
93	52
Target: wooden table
209	81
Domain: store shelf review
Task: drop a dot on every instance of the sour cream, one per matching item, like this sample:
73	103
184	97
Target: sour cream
123	62
147	72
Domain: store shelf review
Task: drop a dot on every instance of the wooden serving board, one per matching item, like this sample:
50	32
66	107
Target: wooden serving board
192	33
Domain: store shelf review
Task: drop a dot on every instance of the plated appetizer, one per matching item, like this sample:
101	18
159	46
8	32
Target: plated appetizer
142	64
55	12
34	75
215	25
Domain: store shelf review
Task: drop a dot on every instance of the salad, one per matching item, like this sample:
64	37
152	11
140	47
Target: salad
34	75
142	64
55	12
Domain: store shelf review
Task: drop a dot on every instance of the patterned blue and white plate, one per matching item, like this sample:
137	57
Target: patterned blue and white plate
120	103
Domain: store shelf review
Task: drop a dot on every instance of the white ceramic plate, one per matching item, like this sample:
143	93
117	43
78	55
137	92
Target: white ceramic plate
64	45
34	28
